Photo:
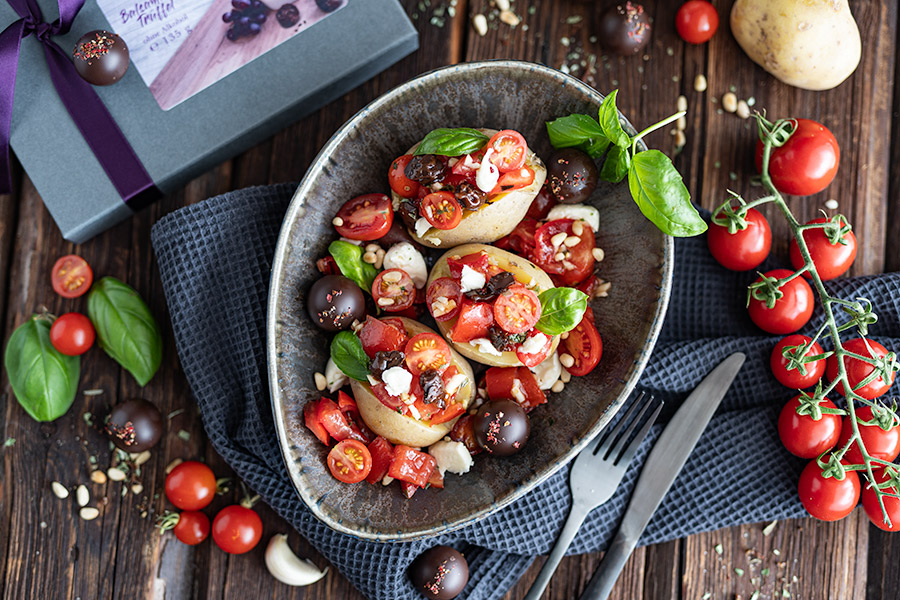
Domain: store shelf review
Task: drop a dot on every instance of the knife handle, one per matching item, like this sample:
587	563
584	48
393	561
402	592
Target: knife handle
576	517
614	560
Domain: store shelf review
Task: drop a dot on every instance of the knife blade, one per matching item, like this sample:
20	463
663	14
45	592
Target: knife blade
662	466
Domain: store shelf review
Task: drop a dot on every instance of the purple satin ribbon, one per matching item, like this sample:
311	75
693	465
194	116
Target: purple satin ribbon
88	112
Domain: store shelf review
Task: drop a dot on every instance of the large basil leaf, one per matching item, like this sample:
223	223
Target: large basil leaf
348	355
615	167
43	379
452	142
578	131
659	192
609	121
561	310
125	328
349	260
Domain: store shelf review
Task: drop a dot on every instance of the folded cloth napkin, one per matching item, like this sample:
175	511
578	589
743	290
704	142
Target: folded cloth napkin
215	259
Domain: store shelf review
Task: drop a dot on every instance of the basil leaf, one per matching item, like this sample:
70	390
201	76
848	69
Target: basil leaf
349	260
615	167
577	131
452	142
659	192
609	121
43	379
126	329
348	355
561	310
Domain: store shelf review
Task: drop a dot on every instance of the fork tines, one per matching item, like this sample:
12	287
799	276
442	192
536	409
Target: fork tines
612	444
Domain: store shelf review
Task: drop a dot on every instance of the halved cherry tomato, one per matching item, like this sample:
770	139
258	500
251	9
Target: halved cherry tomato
802	435
350	461
831	260
584	345
521	240
393	290
441	209
891	503
794	378
880	444
509	150
237	529
578	261
806	163
790	312
71	276
427	352
311	418
397	179
382	452
366	217
827	498
464	432
191	485
474	320
411	466
517	309
533	360
382	335
192	527
443	298
392	402
744	249
514	180
858	370
542	203
72	334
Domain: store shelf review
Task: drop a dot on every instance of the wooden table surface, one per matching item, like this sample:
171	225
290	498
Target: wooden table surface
47	552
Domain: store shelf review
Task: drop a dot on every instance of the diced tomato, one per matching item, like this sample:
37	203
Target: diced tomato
408	489
504	243
542	203
474	320
347	405
514	180
327	266
382	336
499	382
447	288
534	396
464	431
436	480
579	257
514	383
517	309
311	417
335	422
521	240
587	286
452	182
392	402
584	345
382	452
477	261
533	360
448	414
413	312
411	466
468	167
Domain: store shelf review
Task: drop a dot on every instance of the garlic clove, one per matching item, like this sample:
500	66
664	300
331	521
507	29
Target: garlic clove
287	567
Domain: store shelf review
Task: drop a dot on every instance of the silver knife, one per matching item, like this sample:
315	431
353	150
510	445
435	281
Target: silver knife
665	461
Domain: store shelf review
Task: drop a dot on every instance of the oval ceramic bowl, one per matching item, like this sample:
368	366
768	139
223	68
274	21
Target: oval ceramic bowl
496	94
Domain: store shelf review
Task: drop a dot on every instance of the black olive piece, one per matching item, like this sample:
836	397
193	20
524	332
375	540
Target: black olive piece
384	360
425	168
495	286
409	212
503	340
469	195
433	386
572	175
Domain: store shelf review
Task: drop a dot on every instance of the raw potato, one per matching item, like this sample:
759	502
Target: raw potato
401	429
523	270
810	44
491	221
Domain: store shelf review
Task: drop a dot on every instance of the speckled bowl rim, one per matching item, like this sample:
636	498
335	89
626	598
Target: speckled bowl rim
282	248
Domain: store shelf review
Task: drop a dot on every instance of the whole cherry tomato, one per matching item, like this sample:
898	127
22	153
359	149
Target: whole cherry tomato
891	504
831	260
802	435
72	334
881	444
397	179
192	527
793	378
790	312
696	21
744	249
191	485
806	163
827	498
237	529
71	276
858	370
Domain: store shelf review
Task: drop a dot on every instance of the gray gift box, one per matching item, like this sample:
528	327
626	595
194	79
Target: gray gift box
289	81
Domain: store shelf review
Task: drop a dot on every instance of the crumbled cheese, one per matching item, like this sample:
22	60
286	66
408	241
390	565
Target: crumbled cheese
516	392
372	380
396	381
488	174
451	457
354	242
470	279
441	306
533	343
404	256
422	226
588	214
456	382
484	345
548	372
414	412
334	377
471	163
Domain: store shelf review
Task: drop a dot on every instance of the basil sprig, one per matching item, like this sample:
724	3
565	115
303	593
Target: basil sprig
349	260
126	330
561	310
43	379
655	184
348	355
452	142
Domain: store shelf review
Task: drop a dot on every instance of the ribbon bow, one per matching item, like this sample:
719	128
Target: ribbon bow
97	126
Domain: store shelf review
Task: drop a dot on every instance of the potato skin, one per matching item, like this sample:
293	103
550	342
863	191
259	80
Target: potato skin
401	429
522	269
813	45
491	221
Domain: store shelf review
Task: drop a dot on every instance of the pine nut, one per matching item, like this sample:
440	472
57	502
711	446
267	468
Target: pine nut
393	276
729	102
680	139
137	489
557	386
598	253
379	258
565	376
567	360
479	21
98	477
558	239
59	490
88	513
700	83
743	109
831	204
572	241
602	290
564	335
173	464
559	256
510	18
321	382
577	228
681	124
82	495
115	474
369	257
568	266
337	221
681	104
373	248
142	458
385	301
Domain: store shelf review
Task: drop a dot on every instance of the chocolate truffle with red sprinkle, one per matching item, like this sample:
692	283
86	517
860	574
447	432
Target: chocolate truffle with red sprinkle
439	573
101	57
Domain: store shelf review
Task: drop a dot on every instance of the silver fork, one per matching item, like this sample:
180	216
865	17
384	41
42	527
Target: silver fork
595	475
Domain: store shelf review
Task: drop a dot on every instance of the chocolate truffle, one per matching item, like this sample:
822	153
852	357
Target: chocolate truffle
135	425
334	302
624	28
502	427
572	175
101	57
439	573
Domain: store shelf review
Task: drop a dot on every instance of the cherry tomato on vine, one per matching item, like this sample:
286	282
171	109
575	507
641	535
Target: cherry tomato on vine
71	276
350	461
790	312
827	498
72	334
880	444
397	179
237	529
191	485
858	370
802	435
366	217
192	527
696	21
744	249
793	378
806	163
891	504
831	260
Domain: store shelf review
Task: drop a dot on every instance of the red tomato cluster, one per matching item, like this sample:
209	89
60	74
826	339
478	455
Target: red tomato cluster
72	333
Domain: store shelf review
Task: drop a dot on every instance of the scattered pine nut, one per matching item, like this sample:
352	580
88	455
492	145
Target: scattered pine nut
831	204
98	477
173	464
321	382
572	241
115	474
137	489
385	301
729	102
564	335
700	83
479	21
59	490
558	239
681	104
680	124
510	18
379	258
743	110
393	277
82	495
566	359
559	256
599	254
89	513
565	376
568	266
373	248
502	4
680	139
602	290
142	458
369	257
557	386
577	228
337	221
